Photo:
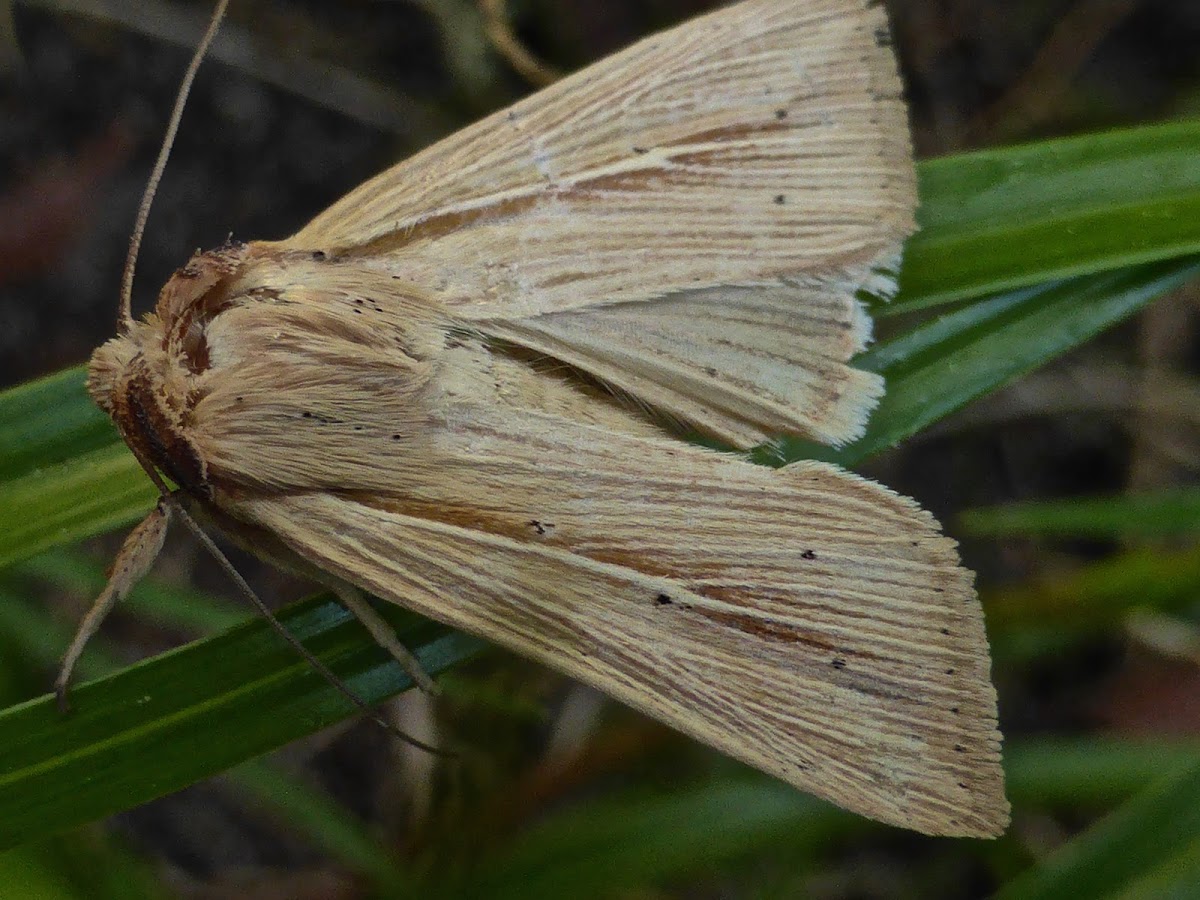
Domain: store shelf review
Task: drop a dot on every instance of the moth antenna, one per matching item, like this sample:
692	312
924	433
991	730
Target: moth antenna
125	316
307	655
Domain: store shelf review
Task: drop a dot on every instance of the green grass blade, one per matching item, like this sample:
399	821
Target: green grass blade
78	867
306	810
1091	772
38	875
1176	511
1145	833
996	220
151	729
1100	594
89	495
47	421
1175	878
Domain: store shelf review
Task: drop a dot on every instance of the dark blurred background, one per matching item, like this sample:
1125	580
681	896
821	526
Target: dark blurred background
303	100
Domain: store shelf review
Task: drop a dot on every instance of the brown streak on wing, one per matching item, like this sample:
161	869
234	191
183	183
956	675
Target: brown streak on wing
445	223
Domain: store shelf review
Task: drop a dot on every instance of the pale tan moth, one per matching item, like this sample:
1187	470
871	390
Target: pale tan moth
454	389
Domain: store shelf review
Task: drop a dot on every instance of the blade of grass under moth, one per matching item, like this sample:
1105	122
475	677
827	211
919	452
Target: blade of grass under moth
1155	830
926	384
147	730
89	864
93	493
38	640
47	421
70	867
1174	511
1001	219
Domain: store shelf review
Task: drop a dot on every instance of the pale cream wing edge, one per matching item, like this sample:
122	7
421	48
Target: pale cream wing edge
806	621
764	146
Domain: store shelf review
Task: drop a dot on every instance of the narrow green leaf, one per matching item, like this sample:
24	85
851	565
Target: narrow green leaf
978	360
150	729
1175	878
995	220
87	866
36	875
47	421
1090	772
305	810
65	503
1100	593
1152	828
1176	511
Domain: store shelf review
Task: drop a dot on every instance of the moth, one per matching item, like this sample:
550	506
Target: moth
458	387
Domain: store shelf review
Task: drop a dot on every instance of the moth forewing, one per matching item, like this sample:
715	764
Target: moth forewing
764	145
404	397
806	621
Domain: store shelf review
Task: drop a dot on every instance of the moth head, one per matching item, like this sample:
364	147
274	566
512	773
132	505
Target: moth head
126	380
144	378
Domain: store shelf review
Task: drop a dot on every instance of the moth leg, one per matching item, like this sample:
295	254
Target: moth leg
137	555
385	636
